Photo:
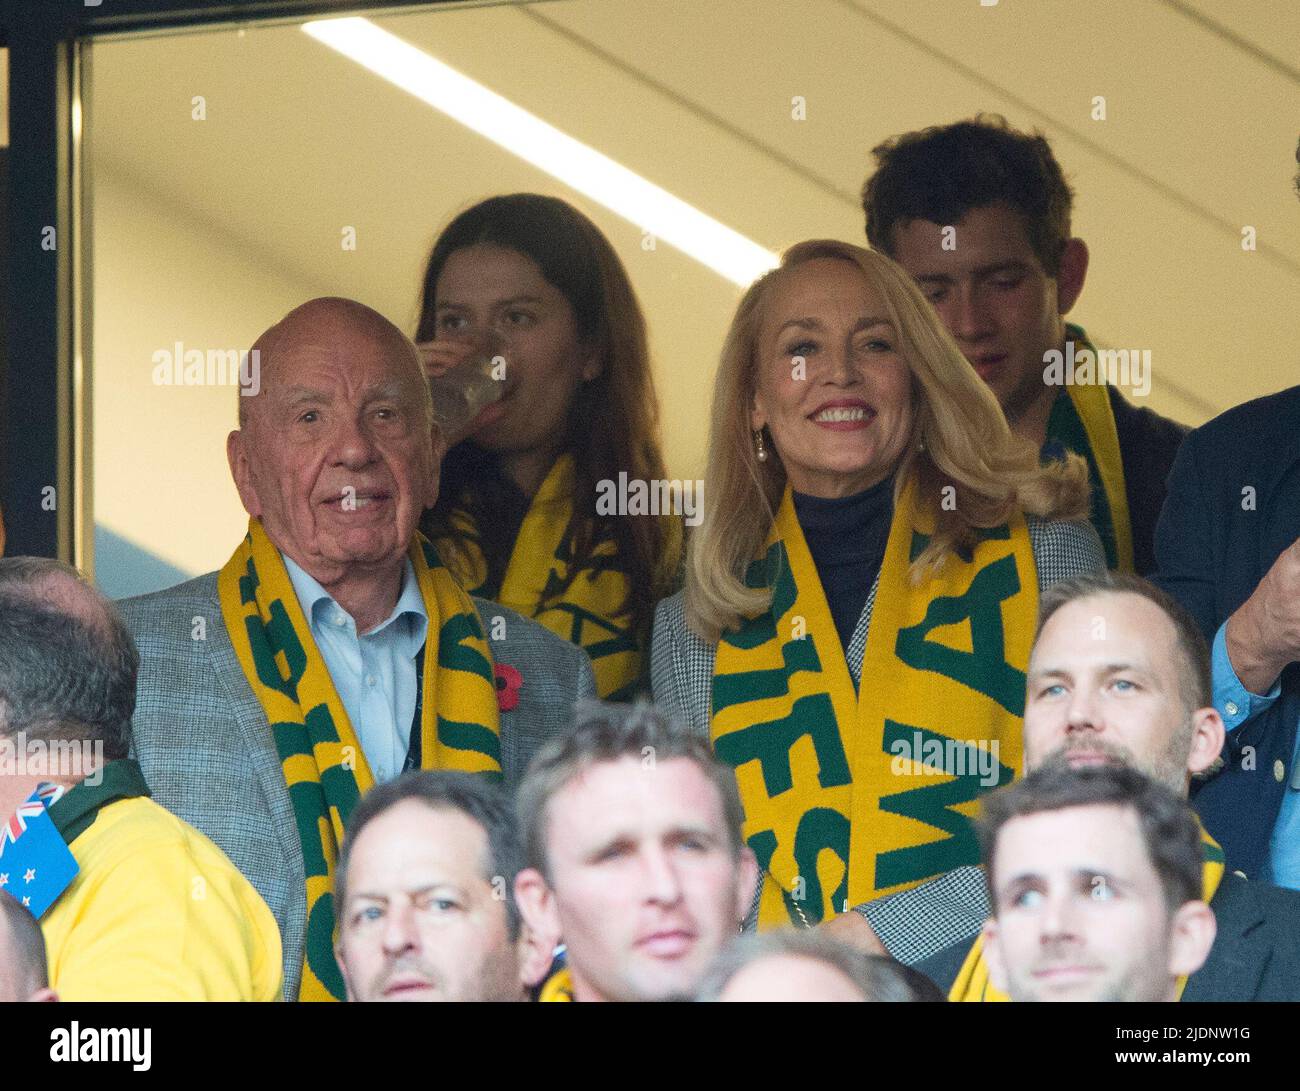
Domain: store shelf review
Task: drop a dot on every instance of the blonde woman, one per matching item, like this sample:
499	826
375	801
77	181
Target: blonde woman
861	596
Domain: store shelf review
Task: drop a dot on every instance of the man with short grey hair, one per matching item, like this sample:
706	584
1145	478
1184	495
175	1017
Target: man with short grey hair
333	650
24	974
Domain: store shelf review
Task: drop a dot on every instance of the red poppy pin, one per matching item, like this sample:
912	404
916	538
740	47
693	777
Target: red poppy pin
508	682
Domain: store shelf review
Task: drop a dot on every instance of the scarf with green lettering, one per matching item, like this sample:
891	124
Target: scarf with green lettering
848	794
324	766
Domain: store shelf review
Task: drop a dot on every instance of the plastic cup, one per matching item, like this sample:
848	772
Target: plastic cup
463	392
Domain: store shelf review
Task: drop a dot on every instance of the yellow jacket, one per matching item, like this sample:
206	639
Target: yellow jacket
157	911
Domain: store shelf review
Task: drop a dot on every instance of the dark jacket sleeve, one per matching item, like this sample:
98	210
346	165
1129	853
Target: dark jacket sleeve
1148	443
1233	506
1188	542
943	968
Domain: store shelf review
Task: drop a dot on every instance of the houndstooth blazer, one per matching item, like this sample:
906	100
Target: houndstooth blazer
681	666
207	751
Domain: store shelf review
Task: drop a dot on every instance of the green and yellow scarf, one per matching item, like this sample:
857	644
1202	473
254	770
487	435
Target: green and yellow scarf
973	985
1084	422
324	765
850	795
586	611
558	988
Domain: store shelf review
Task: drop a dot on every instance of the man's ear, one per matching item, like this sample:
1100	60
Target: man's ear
237	456
1191	935
536	952
343	971
747	882
1207	740
537	906
1071	275
44	996
993	956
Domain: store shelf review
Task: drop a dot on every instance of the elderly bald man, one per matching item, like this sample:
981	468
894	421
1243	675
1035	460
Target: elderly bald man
333	650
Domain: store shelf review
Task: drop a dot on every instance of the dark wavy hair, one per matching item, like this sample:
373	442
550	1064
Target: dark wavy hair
941	173
613	422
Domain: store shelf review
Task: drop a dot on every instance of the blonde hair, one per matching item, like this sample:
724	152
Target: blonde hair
959	438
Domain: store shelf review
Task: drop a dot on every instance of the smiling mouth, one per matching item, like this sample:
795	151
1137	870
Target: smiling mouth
841	418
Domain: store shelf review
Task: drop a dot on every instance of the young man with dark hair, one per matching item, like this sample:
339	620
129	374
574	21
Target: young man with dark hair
1094	877
425	889
979	215
632	841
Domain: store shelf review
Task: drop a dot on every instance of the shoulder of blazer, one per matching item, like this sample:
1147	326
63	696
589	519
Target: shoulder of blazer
521	631
531	641
199	593
1144	425
1243	904
1268	421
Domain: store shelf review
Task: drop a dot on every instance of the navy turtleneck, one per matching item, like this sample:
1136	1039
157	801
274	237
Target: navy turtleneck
847	538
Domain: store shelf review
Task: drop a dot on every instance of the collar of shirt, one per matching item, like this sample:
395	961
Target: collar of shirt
409	619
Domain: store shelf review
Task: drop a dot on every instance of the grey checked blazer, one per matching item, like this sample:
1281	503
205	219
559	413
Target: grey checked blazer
206	748
681	664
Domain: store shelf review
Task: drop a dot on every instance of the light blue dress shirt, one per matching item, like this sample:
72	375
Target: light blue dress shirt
374	673
1236	704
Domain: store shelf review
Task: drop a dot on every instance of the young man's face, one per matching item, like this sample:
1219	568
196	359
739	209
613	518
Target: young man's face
993	294
1080	913
423	921
644	886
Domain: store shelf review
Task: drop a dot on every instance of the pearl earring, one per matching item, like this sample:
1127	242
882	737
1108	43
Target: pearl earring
762	451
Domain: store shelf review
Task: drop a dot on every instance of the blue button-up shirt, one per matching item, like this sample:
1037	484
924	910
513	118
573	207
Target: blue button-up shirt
374	673
1236	704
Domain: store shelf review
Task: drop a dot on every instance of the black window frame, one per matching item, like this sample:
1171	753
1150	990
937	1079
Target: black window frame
45	315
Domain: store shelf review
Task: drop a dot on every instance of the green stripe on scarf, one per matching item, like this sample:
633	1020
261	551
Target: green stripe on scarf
324	766
844	799
1083	421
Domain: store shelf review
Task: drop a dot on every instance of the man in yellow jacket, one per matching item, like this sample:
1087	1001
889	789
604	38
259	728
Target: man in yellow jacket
155	910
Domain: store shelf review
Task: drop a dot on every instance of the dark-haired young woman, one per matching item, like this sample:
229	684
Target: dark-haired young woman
517	516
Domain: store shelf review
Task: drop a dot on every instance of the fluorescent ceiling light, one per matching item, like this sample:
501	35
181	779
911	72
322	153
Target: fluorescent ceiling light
584	169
